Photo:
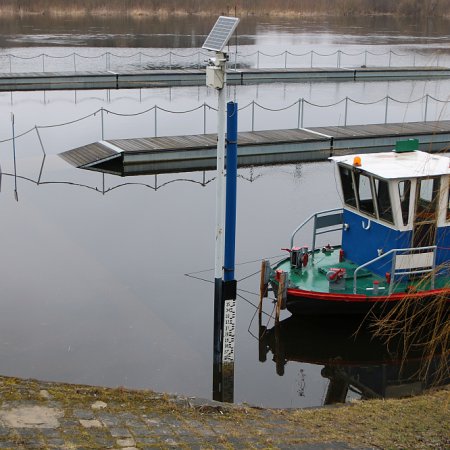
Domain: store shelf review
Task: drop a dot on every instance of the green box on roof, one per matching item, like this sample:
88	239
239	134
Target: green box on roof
407	146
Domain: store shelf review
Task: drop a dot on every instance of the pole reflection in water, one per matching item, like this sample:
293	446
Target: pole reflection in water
356	363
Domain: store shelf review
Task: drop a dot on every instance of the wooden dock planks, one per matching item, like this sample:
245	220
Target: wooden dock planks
196	152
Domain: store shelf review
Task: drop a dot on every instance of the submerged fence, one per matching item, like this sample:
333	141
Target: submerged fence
158	121
255	116
76	62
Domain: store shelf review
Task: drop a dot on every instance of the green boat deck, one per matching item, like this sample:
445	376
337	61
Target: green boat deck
313	277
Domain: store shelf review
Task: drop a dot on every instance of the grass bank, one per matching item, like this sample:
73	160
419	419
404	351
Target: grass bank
412	423
289	8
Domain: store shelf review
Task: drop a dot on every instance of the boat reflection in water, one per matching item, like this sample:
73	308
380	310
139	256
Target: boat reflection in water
354	361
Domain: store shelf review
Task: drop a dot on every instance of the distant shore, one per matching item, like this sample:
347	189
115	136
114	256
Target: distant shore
241	8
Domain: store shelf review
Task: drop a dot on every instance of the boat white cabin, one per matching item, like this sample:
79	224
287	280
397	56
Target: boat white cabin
395	200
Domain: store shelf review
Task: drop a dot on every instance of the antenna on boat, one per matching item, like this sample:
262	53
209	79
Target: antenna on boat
216	78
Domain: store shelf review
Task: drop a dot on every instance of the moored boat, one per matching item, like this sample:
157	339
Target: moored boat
392	233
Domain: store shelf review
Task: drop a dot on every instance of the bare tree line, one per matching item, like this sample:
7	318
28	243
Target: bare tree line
422	8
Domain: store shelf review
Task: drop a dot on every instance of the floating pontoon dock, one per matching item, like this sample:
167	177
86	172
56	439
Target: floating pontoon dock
191	77
190	153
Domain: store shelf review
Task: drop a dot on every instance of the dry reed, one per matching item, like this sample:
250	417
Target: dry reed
419	8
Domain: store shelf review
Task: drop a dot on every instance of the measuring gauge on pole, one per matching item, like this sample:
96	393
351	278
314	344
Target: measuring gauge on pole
224	312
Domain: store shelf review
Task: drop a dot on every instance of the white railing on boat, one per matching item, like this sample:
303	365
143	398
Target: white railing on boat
416	261
322	219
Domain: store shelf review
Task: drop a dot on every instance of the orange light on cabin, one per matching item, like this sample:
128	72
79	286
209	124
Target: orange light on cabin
357	161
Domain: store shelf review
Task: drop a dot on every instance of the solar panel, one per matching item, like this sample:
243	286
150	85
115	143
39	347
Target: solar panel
221	33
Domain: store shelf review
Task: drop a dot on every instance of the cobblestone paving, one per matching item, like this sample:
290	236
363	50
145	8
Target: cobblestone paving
38	415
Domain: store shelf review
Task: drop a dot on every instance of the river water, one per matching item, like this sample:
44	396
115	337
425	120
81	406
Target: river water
94	285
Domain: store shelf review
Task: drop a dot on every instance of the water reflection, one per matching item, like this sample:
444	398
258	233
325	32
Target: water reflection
190	31
93	289
355	363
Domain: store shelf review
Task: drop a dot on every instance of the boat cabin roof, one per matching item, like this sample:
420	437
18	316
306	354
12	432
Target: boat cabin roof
393	165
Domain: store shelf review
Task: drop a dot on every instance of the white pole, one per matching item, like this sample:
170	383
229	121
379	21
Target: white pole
220	180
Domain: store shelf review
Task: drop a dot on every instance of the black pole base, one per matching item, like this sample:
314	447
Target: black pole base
229	290
217	344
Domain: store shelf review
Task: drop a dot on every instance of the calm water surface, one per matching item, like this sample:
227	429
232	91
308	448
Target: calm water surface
94	287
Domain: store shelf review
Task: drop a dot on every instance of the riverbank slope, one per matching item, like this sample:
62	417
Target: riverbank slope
35	414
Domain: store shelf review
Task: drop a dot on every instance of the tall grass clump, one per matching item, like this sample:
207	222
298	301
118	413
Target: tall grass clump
419	324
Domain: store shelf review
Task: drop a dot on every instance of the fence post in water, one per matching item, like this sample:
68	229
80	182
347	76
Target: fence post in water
285	59
365	58
170	60
253	115
426	108
390	57
338	63
312	52
281	296
156	121
43	62
386	109
74	62
16	195
303	112
10	64
140	59
204	117
299	112
263	286
257	59
345	112
103	124
414	60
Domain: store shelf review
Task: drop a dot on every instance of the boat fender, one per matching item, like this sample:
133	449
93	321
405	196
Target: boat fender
388	277
305	258
341	255
366	227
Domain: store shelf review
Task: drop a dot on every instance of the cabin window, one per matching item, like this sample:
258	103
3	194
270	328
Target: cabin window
347	186
427	198
365	193
404	191
383	200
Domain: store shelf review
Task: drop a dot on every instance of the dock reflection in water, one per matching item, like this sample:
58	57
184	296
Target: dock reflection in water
354	361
